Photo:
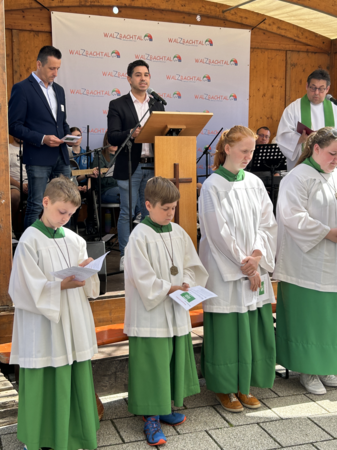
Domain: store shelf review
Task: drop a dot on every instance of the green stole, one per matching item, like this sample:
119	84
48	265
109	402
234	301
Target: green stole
312	163
155	226
229	175
49	232
306	112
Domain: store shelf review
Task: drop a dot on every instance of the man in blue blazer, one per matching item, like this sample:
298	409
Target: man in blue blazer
37	116
124	114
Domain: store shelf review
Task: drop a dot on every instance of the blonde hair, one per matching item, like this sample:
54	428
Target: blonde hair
230	137
161	190
62	189
322	137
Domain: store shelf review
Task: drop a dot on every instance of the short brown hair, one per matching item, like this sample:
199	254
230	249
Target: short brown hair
161	190
230	137
323	137
62	189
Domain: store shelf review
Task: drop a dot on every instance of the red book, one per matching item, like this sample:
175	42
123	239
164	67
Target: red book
301	128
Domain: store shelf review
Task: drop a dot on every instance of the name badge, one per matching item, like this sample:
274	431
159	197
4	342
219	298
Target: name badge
62	108
250	297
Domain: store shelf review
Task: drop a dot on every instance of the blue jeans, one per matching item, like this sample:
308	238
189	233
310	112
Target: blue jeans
139	180
38	177
111	195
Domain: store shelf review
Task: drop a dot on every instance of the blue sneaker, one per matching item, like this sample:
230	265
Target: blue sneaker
153	431
173	419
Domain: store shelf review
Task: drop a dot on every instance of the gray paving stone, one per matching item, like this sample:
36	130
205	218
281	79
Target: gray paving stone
302	447
291	386
329	445
295	432
9	429
249	437
262	393
327	401
191	441
200	419
328	423
248	416
132	429
295	406
116	409
132	446
107	434
205	398
11	442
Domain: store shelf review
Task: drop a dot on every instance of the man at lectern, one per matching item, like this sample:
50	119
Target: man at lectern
124	114
313	110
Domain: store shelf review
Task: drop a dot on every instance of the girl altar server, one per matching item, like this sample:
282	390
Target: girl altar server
54	333
237	248
306	333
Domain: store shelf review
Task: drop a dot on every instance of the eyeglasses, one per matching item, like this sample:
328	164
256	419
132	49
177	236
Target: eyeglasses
320	89
264	136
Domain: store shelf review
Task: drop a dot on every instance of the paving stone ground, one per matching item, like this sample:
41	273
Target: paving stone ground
289	418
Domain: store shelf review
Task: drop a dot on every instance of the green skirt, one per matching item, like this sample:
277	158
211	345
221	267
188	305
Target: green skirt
238	351
57	408
306	331
160	370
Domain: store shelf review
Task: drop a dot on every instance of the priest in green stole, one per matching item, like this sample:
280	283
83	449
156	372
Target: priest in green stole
306	265
314	110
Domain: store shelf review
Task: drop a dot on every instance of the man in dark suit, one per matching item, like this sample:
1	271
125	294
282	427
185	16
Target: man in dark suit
124	114
37	115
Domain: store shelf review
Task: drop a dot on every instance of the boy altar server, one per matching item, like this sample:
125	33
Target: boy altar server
54	333
160	259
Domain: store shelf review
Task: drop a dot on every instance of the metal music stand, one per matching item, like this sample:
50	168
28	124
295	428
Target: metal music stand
268	158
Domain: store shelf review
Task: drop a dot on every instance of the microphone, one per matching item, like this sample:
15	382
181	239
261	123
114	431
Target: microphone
156	96
330	97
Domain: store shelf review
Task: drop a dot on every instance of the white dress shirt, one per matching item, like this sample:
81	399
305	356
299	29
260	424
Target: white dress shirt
49	93
141	109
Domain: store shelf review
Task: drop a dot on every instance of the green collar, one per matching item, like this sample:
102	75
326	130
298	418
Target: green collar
49	232
311	162
155	226
229	175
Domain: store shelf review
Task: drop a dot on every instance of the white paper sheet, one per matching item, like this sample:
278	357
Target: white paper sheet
70	139
192	297
81	273
250	297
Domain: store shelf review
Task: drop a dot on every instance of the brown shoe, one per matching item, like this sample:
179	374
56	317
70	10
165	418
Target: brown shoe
230	402
249	401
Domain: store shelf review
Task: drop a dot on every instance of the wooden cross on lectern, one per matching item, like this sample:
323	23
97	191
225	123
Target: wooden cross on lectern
176	180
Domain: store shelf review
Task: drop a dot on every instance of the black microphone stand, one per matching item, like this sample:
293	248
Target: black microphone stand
128	143
206	152
97	152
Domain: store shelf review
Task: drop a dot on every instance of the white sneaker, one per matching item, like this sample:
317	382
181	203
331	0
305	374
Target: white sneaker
329	380
121	264
312	383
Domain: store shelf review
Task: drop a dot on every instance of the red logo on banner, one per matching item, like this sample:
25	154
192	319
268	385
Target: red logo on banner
215	62
188	78
90	92
211	97
114	74
90	53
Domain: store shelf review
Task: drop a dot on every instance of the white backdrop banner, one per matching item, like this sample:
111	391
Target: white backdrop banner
194	68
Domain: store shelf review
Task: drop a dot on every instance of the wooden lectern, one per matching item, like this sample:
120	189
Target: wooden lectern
174	135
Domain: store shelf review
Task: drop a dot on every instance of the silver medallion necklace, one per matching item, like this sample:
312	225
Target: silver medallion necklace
173	269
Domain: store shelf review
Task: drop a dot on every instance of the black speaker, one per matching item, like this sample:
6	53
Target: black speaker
95	250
